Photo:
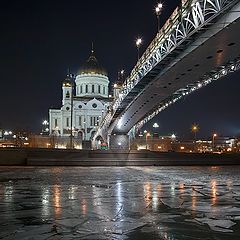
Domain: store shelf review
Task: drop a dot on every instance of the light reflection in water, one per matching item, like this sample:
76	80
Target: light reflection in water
181	188
84	207
156	196
214	191
57	201
152	194
72	192
147	193
2	192
8	193
194	200
45	202
173	186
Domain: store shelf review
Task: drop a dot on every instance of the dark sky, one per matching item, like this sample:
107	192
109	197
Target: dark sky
40	40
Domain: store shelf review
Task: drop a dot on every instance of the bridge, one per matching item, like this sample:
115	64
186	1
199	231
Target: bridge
198	45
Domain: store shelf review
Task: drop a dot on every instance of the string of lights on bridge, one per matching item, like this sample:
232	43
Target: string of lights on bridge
178	95
182	24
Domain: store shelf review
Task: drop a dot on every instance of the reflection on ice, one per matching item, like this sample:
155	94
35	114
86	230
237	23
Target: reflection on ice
57	201
8	193
124	203
214	191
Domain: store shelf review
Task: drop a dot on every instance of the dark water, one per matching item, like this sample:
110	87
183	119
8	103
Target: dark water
120	203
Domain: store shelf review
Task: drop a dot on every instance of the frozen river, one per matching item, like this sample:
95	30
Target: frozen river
120	203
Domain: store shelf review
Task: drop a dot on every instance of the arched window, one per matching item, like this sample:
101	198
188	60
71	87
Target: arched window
86	88
93	88
67	94
56	123
81	89
67	122
99	89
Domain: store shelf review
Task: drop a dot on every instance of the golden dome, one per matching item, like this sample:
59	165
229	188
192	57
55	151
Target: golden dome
92	67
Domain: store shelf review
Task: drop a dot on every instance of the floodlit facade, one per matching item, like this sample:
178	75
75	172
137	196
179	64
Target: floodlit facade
90	102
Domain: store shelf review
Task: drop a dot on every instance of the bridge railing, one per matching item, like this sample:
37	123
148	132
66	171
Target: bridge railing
160	37
191	16
169	25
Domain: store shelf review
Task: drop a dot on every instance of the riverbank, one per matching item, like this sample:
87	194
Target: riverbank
60	157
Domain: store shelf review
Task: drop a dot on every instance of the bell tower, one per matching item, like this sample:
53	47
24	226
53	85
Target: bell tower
66	90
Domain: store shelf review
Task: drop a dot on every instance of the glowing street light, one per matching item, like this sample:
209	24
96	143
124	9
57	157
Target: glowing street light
155	126
195	128
213	140
158	11
173	137
138	45
147	135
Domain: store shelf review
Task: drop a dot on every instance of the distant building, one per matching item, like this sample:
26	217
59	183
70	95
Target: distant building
90	102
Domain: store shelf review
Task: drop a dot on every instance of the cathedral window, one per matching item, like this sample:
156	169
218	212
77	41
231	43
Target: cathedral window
94	105
91	121
93	88
56	123
67	94
80	120
67	123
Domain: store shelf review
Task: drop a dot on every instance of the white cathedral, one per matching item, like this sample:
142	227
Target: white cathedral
90	102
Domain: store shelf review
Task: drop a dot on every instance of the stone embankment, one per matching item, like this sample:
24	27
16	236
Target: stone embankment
56	157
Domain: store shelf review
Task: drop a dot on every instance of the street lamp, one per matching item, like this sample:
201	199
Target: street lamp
195	128
213	140
138	45
155	126
45	127
147	135
158	11
71	116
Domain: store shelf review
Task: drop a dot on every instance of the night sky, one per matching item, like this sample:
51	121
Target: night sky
40	40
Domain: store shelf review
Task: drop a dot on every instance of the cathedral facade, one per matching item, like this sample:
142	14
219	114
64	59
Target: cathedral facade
89	96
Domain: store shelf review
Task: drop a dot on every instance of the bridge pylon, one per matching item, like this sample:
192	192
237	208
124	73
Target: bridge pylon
120	142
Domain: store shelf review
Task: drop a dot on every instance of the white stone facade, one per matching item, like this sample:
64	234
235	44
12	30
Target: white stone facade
90	103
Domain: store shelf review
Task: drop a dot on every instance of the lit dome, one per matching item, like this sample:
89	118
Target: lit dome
92	67
67	82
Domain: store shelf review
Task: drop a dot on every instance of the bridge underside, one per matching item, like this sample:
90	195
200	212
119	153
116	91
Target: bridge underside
210	50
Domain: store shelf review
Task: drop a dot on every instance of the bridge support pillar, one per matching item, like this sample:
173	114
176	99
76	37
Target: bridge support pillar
119	142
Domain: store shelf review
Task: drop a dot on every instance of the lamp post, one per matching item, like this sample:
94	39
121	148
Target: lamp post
213	140
45	127
138	45
158	11
71	113
155	126
145	132
195	128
